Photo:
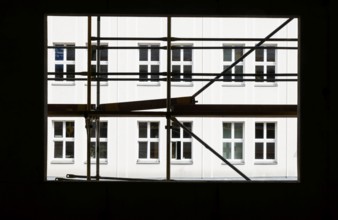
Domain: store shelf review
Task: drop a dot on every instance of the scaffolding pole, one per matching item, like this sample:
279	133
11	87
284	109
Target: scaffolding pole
89	83
168	101
98	83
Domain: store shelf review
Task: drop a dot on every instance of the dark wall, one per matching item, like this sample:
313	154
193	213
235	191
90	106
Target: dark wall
24	194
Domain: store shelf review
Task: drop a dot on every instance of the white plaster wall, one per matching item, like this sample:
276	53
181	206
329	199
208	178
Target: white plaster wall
122	132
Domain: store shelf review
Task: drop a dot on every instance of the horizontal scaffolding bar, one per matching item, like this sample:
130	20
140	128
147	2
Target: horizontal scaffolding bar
270	111
75	47
112	178
190	39
145	105
176	80
234	47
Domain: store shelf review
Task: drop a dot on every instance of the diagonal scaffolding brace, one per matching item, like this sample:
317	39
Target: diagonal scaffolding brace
242	57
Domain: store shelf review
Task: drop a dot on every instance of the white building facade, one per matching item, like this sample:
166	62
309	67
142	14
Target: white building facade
136	147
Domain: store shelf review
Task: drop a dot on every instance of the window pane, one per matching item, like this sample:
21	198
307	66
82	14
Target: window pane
103	69
103	150
238	53
155	69
58	129
270	130
259	73
187	72
271	55
259	151
154	150
175	131
93	129
58	149
226	130
93	69
227	150
103	53
270	73
176	69
187	150
227	77
176	55
173	150
58	53
69	149
155	54
259	55
259	130
154	129
227	55
103	129
270	150
142	130
58	71
238	130
143	72
143	55
142	152
187	54
238	73
238	150
92	150
178	150
189	126
69	129
93	52
71	53
70	69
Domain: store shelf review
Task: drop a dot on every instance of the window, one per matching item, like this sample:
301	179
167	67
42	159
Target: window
149	63
265	66
103	53
181	64
63	140
229	57
148	140
233	141
181	142
64	60
265	141
103	140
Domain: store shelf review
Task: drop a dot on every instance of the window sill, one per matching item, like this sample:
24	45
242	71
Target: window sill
234	162
63	83
233	84
266	84
101	84
265	162
102	161
182	84
148	161
181	162
148	84
62	161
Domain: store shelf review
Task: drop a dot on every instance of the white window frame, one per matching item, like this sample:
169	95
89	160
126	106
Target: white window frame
63	139
228	63
102	62
64	63
149	63
182	140
102	139
266	63
265	140
148	139
232	140
182	63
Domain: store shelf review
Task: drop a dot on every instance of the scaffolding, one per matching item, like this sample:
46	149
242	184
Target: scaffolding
175	107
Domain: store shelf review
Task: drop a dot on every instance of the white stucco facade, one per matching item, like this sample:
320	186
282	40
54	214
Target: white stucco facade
123	133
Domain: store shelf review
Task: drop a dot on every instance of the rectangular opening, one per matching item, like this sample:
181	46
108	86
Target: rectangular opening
228	85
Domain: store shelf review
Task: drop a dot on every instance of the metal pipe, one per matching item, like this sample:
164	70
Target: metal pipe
179	80
98	59
89	83
112	178
165	74
232	47
230	39
168	101
244	56
209	148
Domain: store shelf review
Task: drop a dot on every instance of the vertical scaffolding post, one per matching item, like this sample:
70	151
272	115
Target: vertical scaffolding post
89	78
98	77
168	116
